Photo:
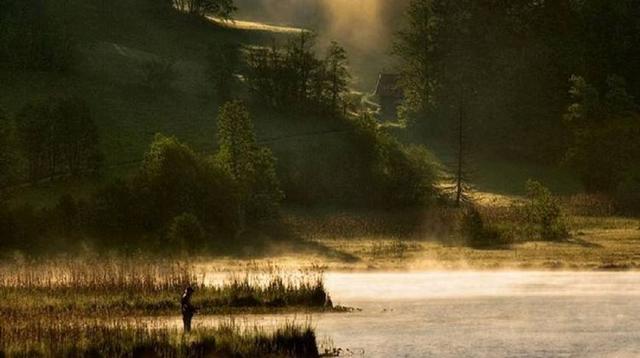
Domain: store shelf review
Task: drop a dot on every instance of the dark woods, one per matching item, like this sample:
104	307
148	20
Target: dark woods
534	81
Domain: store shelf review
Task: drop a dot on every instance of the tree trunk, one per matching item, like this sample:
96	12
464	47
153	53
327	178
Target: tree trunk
460	165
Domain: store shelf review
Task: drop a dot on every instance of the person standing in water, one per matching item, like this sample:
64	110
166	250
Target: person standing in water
187	308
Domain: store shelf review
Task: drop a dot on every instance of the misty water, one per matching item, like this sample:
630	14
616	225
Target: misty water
480	314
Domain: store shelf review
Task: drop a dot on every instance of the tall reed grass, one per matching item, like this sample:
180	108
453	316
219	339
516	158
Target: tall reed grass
116	288
48	337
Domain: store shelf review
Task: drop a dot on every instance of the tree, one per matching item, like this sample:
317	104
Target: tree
461	177
35	133
252	168
414	45
338	74
543	213
186	233
302	61
7	153
224	61
442	75
293	79
78	137
174	180
58	137
604	146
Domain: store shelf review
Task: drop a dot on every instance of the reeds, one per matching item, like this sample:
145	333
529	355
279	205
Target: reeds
69	338
116	288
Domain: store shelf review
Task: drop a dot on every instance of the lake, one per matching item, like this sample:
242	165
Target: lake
480	314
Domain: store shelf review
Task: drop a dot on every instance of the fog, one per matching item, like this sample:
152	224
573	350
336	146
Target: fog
364	27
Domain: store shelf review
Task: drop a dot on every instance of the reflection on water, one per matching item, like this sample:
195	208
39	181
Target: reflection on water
480	314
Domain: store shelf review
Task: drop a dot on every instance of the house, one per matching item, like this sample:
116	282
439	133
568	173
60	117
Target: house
389	94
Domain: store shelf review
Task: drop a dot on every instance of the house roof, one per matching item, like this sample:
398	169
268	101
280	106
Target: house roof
389	86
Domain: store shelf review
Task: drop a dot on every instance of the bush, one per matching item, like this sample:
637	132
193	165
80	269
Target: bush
476	233
628	194
186	233
543	214
391	175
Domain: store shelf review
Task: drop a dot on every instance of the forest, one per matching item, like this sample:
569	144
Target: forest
528	86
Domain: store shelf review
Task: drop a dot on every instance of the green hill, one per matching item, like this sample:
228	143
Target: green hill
116	40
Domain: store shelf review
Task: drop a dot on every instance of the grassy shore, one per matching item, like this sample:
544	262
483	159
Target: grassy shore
427	240
103	288
50	337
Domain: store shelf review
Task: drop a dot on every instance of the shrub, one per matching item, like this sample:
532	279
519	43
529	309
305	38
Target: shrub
395	175
543	213
476	233
628	194
186	233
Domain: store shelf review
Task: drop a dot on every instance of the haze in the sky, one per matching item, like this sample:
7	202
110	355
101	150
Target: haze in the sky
364	27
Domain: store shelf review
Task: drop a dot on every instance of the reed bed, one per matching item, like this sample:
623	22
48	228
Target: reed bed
129	288
48	337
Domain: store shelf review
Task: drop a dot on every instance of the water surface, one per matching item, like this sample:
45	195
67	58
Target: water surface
481	314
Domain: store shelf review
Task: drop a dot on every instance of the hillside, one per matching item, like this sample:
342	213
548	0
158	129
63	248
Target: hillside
116	41
115	45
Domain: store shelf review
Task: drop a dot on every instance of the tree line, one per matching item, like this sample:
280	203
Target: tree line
178	198
47	139
506	74
293	78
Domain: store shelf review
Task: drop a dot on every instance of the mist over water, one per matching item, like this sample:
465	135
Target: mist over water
478	314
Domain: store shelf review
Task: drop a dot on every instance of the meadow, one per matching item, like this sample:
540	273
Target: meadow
428	239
